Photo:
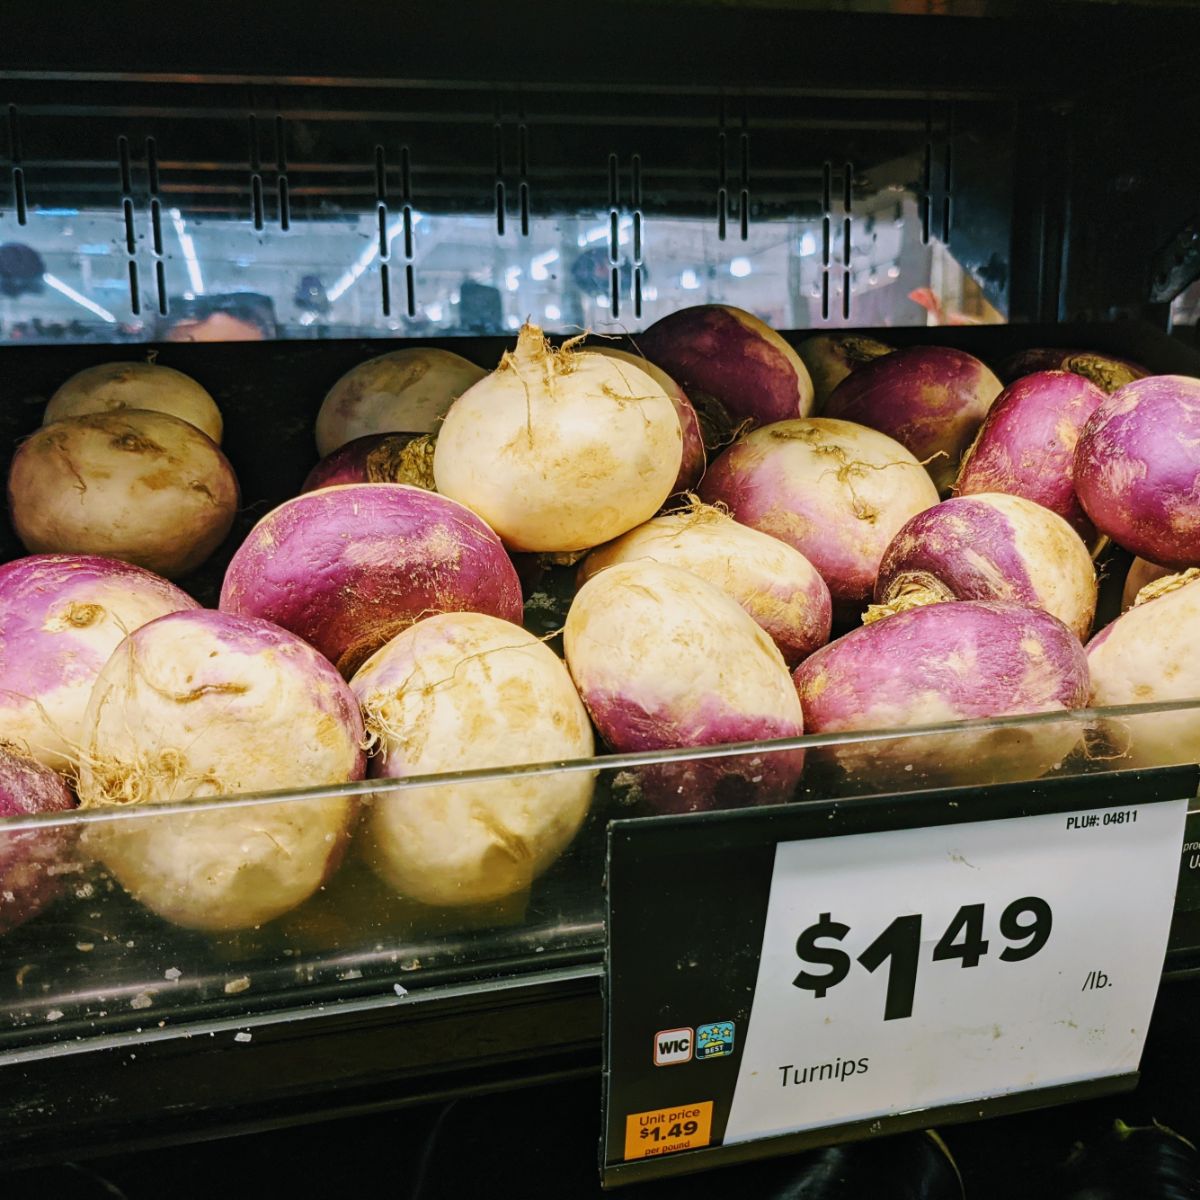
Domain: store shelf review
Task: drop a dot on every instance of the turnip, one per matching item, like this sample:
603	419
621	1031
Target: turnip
830	359
463	691
1148	655
205	704
61	616
943	663
347	568
836	491
732	366
989	547
113	387
406	391
137	485
560	450
692	466
1141	574
376	458
1103	370
32	861
664	659
931	399
771	580
1137	468
1026	446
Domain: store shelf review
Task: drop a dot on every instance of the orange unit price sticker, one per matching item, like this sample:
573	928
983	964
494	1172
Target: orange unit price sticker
667	1130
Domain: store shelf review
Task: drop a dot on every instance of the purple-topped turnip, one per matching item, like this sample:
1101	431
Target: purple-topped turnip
377	458
205	704
989	547
141	486
931	399
1137	468
771	580
943	663
112	387
61	616
733	367
1103	370
836	491
405	391
1026	446
692	466
347	568
831	358
664	659
1151	654
32	861
560	450
464	691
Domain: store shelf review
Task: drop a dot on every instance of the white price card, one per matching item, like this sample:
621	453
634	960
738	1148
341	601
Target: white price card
909	969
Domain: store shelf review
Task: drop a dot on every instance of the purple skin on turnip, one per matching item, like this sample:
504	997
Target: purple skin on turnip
1026	446
931	399
347	568
948	662
31	860
376	458
733	368
1103	370
990	547
1137	468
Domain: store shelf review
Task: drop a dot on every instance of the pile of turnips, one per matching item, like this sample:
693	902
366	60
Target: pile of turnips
725	504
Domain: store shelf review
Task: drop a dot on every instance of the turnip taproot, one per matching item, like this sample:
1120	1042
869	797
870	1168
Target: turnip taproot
405	391
61	616
205	704
464	691
836	491
990	547
931	399
348	567
771	580
136	485
560	450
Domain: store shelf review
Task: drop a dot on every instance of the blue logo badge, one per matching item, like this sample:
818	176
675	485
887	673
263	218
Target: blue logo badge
715	1040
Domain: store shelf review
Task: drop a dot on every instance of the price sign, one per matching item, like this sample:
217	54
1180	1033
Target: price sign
807	973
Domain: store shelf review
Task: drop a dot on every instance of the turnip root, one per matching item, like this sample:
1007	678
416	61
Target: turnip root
1102	370
1141	574
931	399
771	580
137	485
830	359
560	450
406	391
61	616
732	366
692	466
347	568
942	663
989	547
1137	468
113	387
836	491
204	704
377	458
464	691
1151	654
1026	446
32	861
664	659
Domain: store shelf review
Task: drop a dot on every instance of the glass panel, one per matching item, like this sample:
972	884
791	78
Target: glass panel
127	931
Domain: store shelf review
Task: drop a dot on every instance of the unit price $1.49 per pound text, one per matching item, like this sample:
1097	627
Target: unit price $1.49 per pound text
1025	925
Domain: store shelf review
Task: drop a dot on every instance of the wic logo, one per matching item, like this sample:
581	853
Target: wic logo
672	1046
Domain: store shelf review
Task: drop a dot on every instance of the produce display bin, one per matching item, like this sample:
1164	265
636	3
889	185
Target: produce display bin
994	176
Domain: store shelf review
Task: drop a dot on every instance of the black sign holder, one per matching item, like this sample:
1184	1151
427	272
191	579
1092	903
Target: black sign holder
687	901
